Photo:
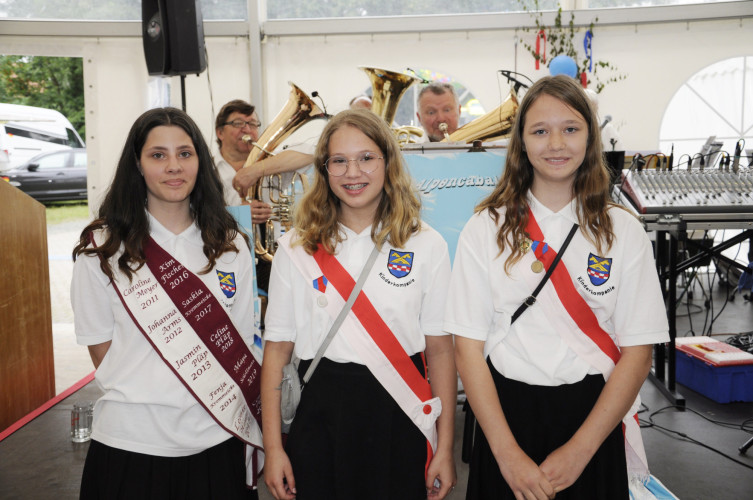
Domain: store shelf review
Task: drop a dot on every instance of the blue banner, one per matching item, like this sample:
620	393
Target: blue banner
451	184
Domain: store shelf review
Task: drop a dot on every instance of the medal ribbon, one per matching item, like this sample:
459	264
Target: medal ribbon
589	56
587	39
540	48
540	249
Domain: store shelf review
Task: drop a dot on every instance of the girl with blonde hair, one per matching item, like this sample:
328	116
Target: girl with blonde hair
369	424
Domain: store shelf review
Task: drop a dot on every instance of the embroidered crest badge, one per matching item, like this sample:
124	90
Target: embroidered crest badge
320	283
227	283
598	269
400	263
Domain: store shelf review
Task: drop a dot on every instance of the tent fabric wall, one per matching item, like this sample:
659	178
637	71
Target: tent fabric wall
656	58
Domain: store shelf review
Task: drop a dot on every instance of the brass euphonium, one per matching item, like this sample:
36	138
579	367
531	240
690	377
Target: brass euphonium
388	88
299	110
492	126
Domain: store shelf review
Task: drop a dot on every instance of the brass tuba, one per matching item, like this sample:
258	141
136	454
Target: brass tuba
388	88
494	125
299	110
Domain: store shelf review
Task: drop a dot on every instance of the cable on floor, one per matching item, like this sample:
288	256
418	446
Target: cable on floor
746	426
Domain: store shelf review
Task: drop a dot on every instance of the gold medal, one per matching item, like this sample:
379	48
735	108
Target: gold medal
537	266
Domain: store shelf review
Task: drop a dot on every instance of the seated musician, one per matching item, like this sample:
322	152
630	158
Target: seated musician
438	103
235	120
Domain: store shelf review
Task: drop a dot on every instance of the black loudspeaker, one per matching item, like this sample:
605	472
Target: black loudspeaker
153	35
173	37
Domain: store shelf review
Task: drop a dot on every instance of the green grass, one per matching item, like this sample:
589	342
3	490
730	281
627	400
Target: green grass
66	211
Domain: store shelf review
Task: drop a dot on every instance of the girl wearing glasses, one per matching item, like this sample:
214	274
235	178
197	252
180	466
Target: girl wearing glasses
369	425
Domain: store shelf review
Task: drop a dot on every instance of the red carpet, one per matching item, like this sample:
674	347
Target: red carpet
49	404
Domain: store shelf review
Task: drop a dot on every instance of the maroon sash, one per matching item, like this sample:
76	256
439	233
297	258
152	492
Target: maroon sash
211	322
194	335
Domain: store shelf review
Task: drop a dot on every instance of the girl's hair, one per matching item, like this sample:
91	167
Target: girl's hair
398	213
590	185
123	211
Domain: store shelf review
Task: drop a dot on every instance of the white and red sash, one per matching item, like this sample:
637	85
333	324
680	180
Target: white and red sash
578	326
193	334
374	343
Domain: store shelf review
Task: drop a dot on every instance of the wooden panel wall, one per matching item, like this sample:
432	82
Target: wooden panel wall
27	367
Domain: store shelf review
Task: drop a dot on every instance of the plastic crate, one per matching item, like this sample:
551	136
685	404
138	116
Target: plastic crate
723	384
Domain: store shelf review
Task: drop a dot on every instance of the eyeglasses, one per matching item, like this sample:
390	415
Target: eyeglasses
367	162
241	123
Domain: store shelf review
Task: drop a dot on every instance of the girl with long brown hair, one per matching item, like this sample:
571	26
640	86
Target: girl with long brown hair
162	287
552	375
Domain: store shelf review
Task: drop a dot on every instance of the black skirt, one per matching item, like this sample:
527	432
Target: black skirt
543	418
218	472
350	440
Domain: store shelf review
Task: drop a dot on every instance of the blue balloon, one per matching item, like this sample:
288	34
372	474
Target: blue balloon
563	65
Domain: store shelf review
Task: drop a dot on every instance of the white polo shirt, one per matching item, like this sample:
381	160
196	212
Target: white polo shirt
227	174
482	298
411	304
145	407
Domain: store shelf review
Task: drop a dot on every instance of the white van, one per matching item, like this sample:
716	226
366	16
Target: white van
4	152
26	131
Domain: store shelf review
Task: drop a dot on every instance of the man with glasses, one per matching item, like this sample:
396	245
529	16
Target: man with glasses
438	103
235	120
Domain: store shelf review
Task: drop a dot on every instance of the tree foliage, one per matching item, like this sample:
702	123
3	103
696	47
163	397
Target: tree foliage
46	82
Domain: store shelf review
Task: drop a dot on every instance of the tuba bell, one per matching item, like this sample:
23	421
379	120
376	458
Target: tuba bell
388	88
494	125
299	110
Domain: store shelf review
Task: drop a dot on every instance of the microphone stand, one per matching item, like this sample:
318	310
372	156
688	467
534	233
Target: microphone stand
518	84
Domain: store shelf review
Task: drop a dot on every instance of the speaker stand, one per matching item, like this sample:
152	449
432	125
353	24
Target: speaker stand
183	91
